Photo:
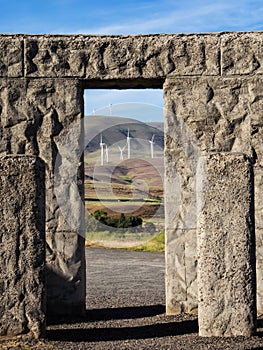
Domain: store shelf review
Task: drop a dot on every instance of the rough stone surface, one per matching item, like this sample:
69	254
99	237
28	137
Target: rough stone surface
221	113
22	246
181	282
226	248
213	98
11	56
206	114
242	53
258	185
122	57
43	118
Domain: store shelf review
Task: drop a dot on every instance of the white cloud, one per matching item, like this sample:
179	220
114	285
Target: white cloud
201	17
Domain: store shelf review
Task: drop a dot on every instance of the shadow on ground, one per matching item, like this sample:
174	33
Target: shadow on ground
157	330
112	314
125	312
124	333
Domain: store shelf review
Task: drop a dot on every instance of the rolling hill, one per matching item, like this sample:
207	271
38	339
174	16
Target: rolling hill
130	186
114	132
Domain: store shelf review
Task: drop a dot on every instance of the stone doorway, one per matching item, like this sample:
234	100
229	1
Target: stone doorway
136	176
212	84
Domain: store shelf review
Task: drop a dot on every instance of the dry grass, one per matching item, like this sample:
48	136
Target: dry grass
155	244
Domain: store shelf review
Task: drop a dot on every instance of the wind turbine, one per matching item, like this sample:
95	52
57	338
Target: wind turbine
122	150
151	144
129	144
102	144
107	153
110	108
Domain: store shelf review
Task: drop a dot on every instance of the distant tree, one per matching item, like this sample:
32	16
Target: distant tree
120	222
100	215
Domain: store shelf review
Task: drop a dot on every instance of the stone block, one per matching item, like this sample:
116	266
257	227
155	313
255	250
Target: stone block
122	57
218	112
22	246
226	248
11	56
258	184
258	188
256	107
181	272
242	53
66	276
259	269
43	117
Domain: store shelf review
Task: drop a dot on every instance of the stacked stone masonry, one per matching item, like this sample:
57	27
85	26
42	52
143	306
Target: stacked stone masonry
213	97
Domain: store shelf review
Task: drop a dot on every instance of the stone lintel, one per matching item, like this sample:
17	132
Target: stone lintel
242	53
122	57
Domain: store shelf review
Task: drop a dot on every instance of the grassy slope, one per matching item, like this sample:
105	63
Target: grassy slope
154	245
114	132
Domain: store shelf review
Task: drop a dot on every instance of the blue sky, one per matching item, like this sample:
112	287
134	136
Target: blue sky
128	17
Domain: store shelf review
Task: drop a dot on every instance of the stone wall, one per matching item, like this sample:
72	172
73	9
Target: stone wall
213	98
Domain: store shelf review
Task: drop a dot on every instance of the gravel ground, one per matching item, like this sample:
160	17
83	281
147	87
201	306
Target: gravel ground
125	310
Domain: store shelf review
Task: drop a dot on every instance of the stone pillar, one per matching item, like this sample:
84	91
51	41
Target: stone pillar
205	114
226	247
22	246
181	155
43	117
258	181
256	107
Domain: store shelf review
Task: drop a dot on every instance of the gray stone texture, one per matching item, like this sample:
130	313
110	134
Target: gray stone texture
226	247
222	113
242	53
211	114
22	246
213	98
11	56
122	57
258	184
43	117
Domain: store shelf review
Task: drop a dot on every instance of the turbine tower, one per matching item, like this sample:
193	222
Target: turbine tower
129	144
102	144
151	144
121	150
106	153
